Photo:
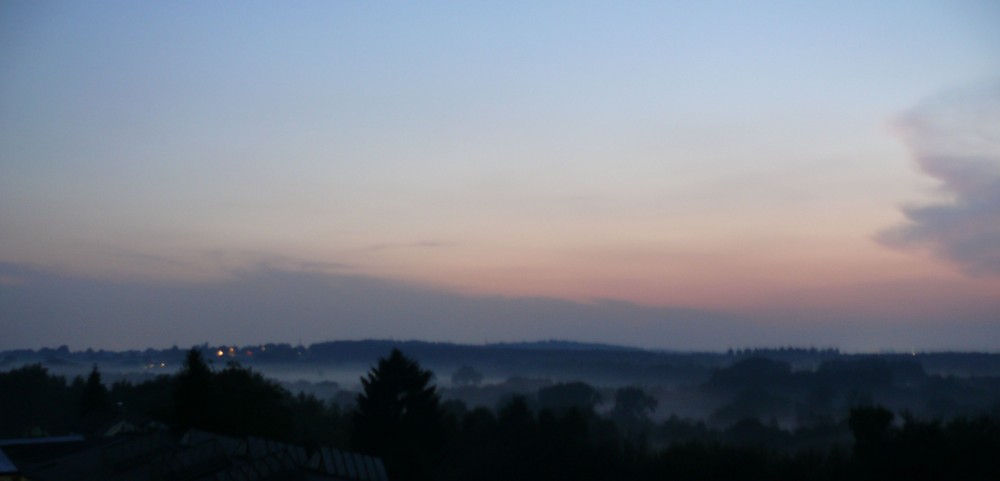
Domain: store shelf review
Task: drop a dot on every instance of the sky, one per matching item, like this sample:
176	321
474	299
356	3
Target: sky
671	175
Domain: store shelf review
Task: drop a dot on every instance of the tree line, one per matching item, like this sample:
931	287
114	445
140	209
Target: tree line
400	416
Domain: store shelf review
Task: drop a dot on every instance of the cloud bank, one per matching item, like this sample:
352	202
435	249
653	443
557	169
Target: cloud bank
269	304
955	138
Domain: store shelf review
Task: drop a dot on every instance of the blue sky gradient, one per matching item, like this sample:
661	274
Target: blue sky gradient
753	162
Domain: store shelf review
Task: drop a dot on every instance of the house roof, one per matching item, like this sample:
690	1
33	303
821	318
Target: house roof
72	438
6	465
194	456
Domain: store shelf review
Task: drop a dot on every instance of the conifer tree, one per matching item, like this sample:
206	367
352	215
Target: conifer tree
94	398
191	391
399	417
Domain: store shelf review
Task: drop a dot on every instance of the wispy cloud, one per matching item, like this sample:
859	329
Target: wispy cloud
955	138
427	244
236	261
144	258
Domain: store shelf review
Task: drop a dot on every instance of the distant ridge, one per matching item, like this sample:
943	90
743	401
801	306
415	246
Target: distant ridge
550	358
546	345
557	345
372	348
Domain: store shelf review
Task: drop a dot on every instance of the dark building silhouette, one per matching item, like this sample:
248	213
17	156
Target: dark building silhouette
193	456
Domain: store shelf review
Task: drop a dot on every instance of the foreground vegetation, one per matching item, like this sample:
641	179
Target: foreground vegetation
554	435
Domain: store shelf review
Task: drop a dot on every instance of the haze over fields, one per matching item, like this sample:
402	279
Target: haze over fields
663	175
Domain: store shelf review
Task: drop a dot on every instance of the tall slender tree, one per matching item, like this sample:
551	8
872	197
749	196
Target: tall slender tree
191	391
94	398
399	418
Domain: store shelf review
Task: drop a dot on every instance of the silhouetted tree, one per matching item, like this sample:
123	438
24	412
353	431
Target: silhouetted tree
33	402
153	398
752	372
869	424
191	391
576	395
752	402
466	376
245	403
234	401
315	423
399	418
865	374
633	403
631	412
94	398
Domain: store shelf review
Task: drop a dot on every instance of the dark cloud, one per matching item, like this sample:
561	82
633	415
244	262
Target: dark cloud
955	138
270	304
265	303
